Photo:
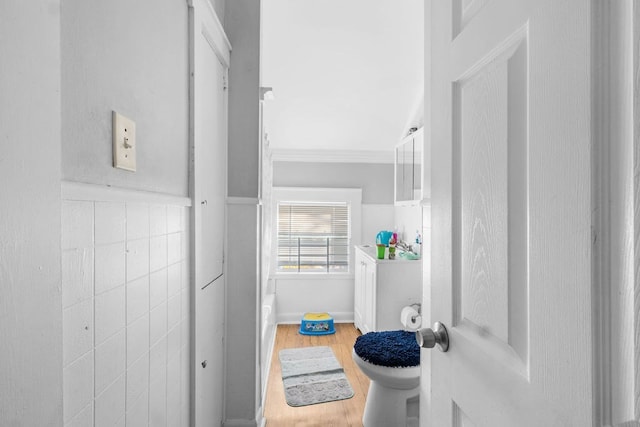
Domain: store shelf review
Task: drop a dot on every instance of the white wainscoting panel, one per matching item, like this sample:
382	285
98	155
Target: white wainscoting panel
125	286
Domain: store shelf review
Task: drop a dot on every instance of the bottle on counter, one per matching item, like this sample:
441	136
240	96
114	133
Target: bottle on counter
392	246
417	248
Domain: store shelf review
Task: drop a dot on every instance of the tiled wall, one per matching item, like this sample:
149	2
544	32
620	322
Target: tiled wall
125	313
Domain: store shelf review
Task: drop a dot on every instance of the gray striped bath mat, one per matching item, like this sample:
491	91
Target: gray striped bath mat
313	375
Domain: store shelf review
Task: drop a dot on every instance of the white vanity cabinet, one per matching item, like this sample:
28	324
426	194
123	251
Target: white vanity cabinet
382	288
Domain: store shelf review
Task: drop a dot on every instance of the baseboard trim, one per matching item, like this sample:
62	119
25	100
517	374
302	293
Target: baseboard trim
260	420
240	423
294	318
269	357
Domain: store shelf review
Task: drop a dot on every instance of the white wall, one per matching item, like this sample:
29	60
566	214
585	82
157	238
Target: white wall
242	391
125	294
131	57
242	23
125	264
218	7
242	331
298	295
375	179
30	296
408	220
376	218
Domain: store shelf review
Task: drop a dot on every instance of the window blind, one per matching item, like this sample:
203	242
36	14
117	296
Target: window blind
313	237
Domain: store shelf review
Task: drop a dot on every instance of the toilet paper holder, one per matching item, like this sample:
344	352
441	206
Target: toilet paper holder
411	318
418	309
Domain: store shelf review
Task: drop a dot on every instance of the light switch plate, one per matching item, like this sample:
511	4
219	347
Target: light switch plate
124	142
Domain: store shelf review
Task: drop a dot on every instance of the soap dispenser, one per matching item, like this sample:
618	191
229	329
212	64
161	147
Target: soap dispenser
417	248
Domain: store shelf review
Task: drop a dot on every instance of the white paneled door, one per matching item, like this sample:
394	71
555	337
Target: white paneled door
210	59
509	84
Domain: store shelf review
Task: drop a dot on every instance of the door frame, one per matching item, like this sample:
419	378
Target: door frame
616	212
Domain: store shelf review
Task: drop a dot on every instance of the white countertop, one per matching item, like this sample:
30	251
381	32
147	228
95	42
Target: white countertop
372	252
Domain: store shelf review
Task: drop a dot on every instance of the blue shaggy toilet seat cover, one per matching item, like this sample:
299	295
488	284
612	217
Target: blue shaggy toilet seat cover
398	349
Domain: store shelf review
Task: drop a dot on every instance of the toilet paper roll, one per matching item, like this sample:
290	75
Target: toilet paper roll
410	319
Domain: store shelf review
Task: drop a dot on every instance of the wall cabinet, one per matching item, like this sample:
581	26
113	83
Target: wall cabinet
382	288
209	68
409	170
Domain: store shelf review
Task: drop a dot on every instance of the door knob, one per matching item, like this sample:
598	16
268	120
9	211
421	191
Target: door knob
429	338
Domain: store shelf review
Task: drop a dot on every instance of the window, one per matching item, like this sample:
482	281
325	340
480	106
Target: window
314	229
313	237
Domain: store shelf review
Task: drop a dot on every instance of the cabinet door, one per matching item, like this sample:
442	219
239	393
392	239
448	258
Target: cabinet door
208	70
418	161
209	162
404	171
370	290
209	354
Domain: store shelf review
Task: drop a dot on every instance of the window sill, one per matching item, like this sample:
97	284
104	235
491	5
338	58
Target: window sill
313	276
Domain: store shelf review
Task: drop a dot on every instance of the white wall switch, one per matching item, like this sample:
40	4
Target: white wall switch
124	142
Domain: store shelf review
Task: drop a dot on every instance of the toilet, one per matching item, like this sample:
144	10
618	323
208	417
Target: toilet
391	360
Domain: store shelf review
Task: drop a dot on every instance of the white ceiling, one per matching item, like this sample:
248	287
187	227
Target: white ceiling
347	76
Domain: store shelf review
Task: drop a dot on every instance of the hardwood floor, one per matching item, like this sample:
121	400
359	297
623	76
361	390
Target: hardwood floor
342	413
